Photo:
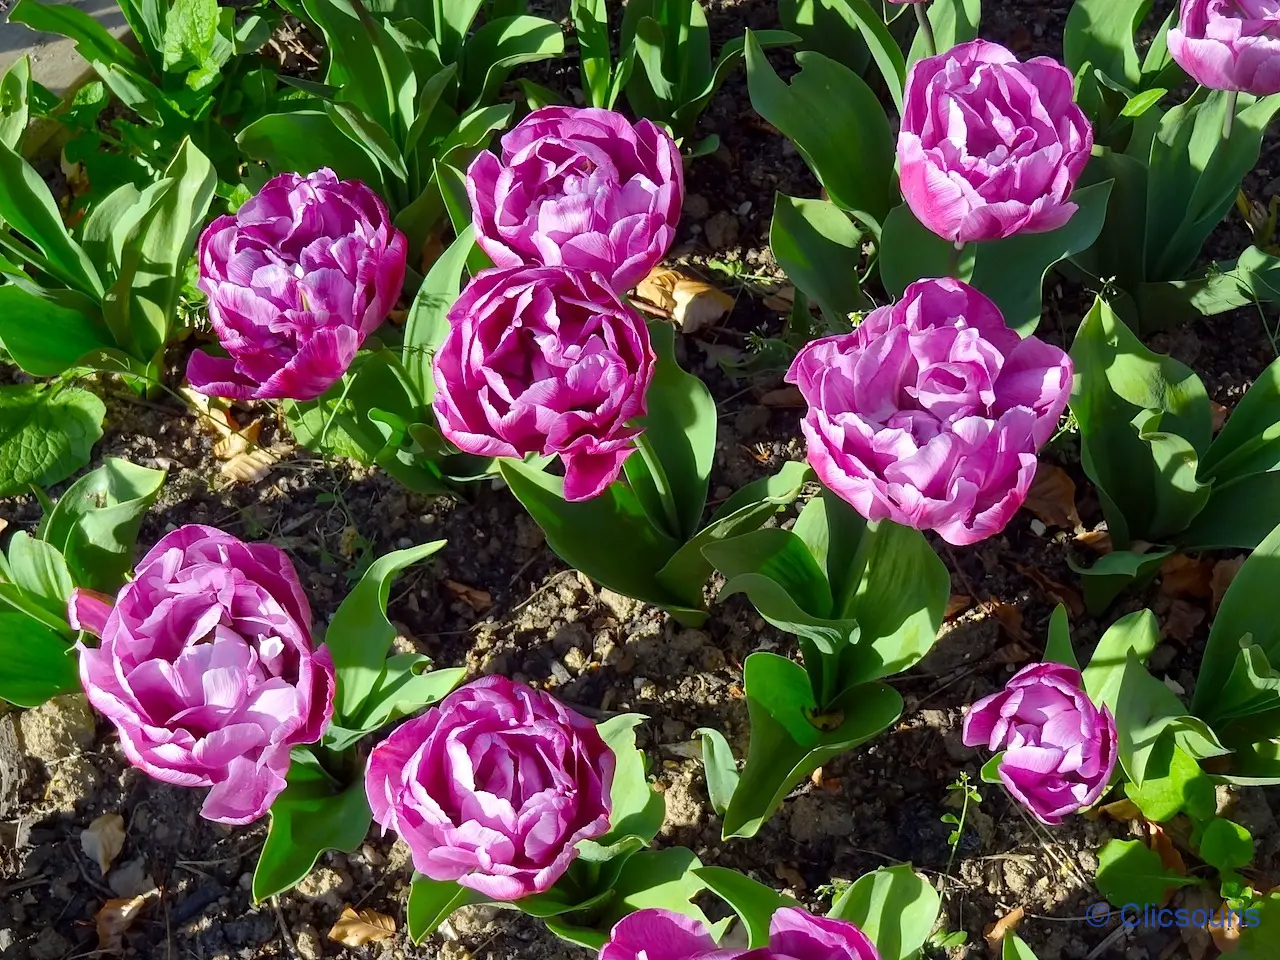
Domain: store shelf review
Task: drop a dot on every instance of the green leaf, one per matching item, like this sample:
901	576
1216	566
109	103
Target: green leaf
825	108
360	633
500	46
591	24
953	21
910	251
1253	686
990	772
96	522
1226	845
46	434
820	249
753	902
432	901
894	906
720	767
1058	649
38	570
1238	514
829	27
404	687
1015	948
1143	709
427	324
38	664
310	816
428	99
636	809
369	135
786	745
1102	32
307	140
43	337
452	22
585	535
680	435
13	103
1137	633
191	29
1131	872
649	41
1114	572
884	49
730	56
1173	783
1249	442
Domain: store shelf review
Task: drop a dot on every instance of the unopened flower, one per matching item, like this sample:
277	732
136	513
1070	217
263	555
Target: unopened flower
207	669
296	279
579	187
1059	749
794	934
493	787
990	146
1229	44
545	360
931	411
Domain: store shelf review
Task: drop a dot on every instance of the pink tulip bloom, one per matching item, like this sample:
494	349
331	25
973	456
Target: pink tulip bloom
296	279
989	146
493	787
581	188
931	411
1060	750
1229	44
207	669
794	934
545	360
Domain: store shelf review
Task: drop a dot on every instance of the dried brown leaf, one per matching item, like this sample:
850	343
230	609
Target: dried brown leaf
1054	591
783	397
698	305
995	934
1099	541
958	604
1224	571
477	600
1010	618
790	876
658	288
3	523
1124	811
116	917
1183	576
355	927
1011	653
1160	842
1219	415
237	441
1182	620
781	300
103	840
249	467
1224	928
1052	497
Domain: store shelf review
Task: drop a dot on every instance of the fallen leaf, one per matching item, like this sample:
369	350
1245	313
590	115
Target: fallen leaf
1099	541
790	876
1224	571
781	300
1197	939
1183	576
1010	618
816	777
1052	497
249	467
477	600
698	305
355	927
1224	928
214	412
237	441
3	523
958	604
116	917
103	840
1053	590
1170	858
1011	653
1218	415
658	287
995	934
1182	620
1125	811
783	397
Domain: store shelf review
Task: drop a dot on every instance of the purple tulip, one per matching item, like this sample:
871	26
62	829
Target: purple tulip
1060	750
581	188
989	146
931	411
545	360
1229	44
207	669
493	787
296	280
793	935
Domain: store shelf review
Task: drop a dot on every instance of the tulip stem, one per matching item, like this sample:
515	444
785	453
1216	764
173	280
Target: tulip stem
1229	120
926	29
953	260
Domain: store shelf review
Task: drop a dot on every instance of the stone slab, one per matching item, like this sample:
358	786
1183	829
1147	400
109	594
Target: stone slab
54	61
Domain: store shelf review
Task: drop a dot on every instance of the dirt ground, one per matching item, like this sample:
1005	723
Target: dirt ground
547	625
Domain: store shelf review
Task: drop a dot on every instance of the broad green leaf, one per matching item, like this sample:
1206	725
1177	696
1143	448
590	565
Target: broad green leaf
953	21
1114	572
43	337
894	906
500	46
586	535
38	664
829	27
1138	633
473	133
990	772
820	249
307	140
1131	872
1238	514
452	22
427	324
753	902
720	767
670	472
1249	442
636	809
432	901
1258	930
367	134
910	251
730	56
191	30
785	583
406	685
310	816
1015	948
428	99
824	108
591	25
1102	32
96	522
786	742
649	43
1174	783
360	634
13	103
1226	845
1058	648
884	49
1144	708
1253	686
46	434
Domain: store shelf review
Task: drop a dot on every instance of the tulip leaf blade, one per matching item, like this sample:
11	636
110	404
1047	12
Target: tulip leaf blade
1130	872
502	44
720	768
310	816
46	338
1136	633
910	251
1174	782
14	109
360	633
1058	649
753	902
1102	32
38	663
1015	948
46	434
894	906
820	249
636	809
990	772
1144	709
591	26
953	21
884	48
787	744
431	902
428	321
830	28
305	140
